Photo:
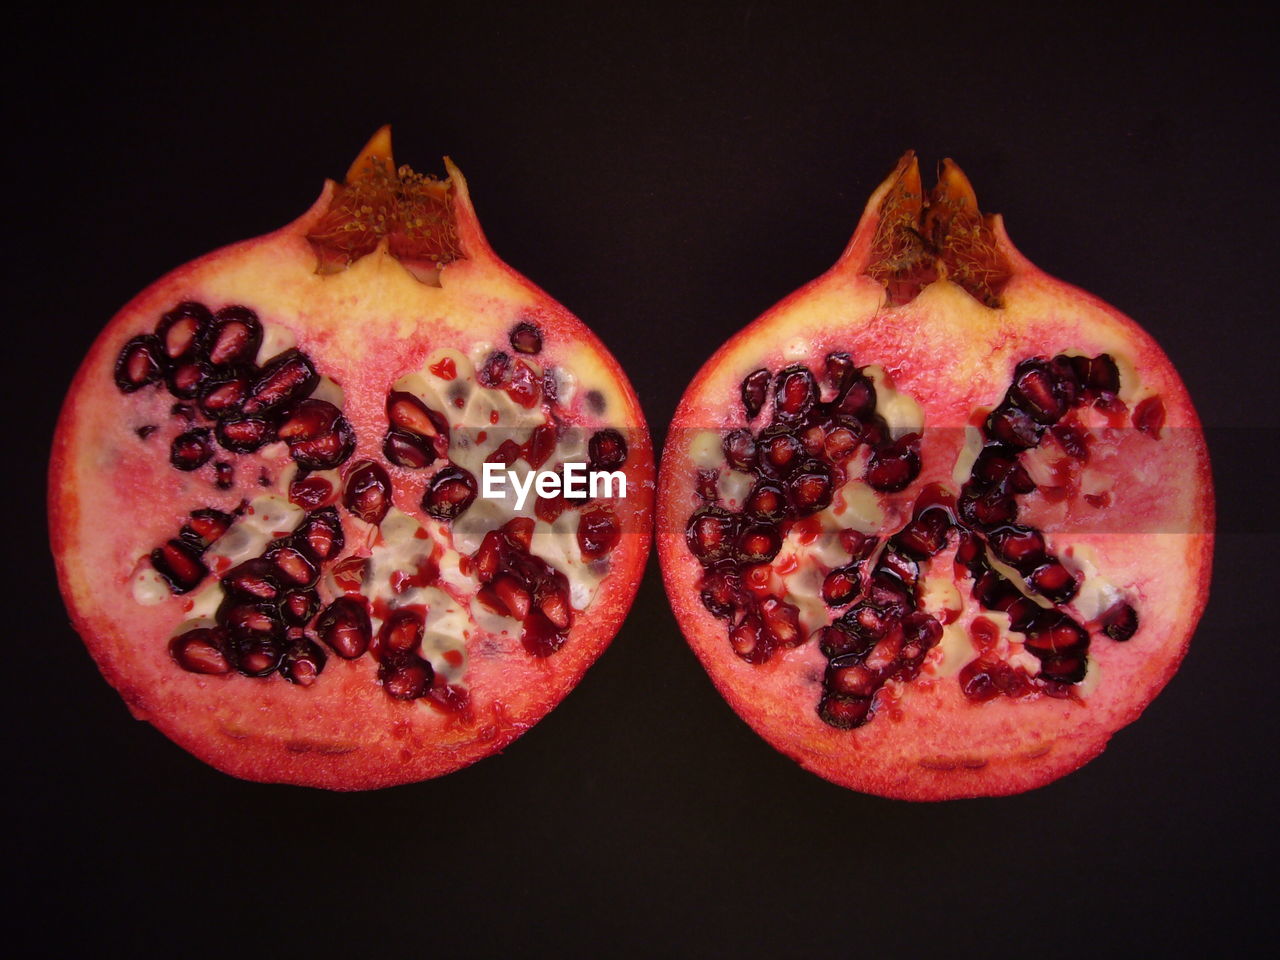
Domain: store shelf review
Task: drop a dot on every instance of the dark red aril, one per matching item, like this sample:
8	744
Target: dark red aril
182	330
202	650
285	379
598	531
255	579
401	633
367	492
320	533
449	493
141	362
180	565
303	662
526	338
710	534
291	563
607	450
841	586
234	337
894	465
244	434
755	388
345	627
191	450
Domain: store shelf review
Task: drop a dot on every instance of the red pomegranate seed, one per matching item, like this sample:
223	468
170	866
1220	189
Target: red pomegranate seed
180	330
345	627
291	565
406	678
303	662
795	393
244	434
488	556
310	492
286	378
540	636
598	532
841	585
235	337
1055	581
519	530
607	450
892	466
401	633
1148	416
710	534
206	526
191	450
755	387
180	565
139	363
1036	388
526	338
524	386
299	606
407	412
202	650
541	445
553	601
1120	622
513	594
984	633
844	712
308	420
781	620
348	574
1020	547
449	494
1014	426
367	492
977	682
758	543
321	533
748	640
405	449
255	578
740	449
853	680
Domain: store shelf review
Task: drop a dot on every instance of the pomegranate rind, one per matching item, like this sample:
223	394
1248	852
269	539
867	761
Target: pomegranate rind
371	323
930	743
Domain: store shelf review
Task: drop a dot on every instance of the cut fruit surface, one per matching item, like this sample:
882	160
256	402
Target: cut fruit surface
937	524
266	505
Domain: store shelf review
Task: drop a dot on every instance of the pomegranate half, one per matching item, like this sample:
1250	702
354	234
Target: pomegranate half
267	504
937	524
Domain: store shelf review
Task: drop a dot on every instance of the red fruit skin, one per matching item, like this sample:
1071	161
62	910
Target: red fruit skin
952	354
343	732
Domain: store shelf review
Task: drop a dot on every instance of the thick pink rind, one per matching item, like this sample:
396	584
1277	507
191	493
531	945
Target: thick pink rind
952	355
344	733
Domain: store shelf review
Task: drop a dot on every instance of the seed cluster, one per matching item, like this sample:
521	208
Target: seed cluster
208	362
882	635
270	618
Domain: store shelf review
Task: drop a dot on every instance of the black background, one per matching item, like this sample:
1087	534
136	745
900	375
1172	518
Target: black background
666	174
